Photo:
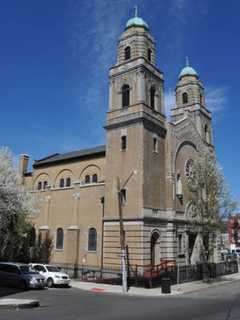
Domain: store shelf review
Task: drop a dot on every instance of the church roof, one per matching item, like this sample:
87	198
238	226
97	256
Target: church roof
187	70
70	156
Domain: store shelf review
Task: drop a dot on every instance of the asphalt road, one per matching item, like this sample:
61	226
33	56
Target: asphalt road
219	303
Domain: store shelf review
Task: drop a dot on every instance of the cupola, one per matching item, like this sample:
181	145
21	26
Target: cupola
187	71
136	21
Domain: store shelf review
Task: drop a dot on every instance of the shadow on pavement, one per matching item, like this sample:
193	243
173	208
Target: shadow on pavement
6	291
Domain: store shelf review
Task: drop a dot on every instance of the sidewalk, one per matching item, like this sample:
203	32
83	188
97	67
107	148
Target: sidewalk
177	289
18	303
8	303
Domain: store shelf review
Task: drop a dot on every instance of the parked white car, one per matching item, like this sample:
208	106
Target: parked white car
52	274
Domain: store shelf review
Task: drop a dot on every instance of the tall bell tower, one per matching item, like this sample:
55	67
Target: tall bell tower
135	130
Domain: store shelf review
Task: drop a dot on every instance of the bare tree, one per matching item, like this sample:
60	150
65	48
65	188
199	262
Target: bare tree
210	203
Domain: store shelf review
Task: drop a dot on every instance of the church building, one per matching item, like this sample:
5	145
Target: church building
147	159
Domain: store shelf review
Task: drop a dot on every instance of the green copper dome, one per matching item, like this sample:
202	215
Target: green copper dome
187	71
136	22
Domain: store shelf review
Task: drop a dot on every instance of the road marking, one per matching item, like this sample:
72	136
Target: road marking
97	289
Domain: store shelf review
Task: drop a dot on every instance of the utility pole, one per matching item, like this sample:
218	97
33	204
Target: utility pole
103	206
122	231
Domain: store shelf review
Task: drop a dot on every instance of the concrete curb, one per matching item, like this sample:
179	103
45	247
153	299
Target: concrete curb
181	289
18	304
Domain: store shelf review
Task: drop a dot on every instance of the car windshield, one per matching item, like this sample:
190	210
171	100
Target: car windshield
53	269
24	269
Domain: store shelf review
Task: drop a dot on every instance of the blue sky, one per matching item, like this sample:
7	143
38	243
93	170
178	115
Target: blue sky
54	62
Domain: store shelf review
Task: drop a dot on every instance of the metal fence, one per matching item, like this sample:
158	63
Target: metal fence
180	274
150	276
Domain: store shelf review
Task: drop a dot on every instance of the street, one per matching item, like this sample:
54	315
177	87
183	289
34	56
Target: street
219	303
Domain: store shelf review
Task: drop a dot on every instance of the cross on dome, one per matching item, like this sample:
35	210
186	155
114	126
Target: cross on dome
136	10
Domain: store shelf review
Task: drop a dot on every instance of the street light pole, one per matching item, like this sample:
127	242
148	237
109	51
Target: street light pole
122	231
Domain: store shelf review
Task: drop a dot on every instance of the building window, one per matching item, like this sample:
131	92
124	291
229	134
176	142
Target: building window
59	239
125	95
184	98
94	178
123	142
123	196
87	178
152	97
179	191
45	184
201	99
149	55
155	145
180	244
92	239
207	134
39	186
127	53
68	182
61	183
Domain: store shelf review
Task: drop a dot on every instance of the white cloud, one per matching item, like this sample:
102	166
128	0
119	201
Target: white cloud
93	37
216	98
178	9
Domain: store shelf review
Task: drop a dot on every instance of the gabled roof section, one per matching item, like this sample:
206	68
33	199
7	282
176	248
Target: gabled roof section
70	156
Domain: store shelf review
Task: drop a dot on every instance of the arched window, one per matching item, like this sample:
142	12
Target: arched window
94	178
87	178
39	187
201	99
125	95
68	182
59	239
152	97
149	55
61	183
154	243
185	97
45	184
127	53
92	239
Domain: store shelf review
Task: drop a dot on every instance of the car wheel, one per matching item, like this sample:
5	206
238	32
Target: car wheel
23	285
50	282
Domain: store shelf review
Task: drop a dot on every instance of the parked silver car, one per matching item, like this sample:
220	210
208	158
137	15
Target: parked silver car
19	275
52	274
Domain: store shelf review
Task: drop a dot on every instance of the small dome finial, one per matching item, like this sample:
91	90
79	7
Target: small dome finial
187	61
135	10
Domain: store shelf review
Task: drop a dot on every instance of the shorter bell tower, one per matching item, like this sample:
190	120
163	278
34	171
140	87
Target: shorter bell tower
190	99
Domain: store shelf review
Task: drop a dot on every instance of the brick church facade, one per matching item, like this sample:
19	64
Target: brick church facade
147	157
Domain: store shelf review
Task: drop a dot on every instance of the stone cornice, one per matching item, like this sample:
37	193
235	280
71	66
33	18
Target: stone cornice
154	126
142	63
